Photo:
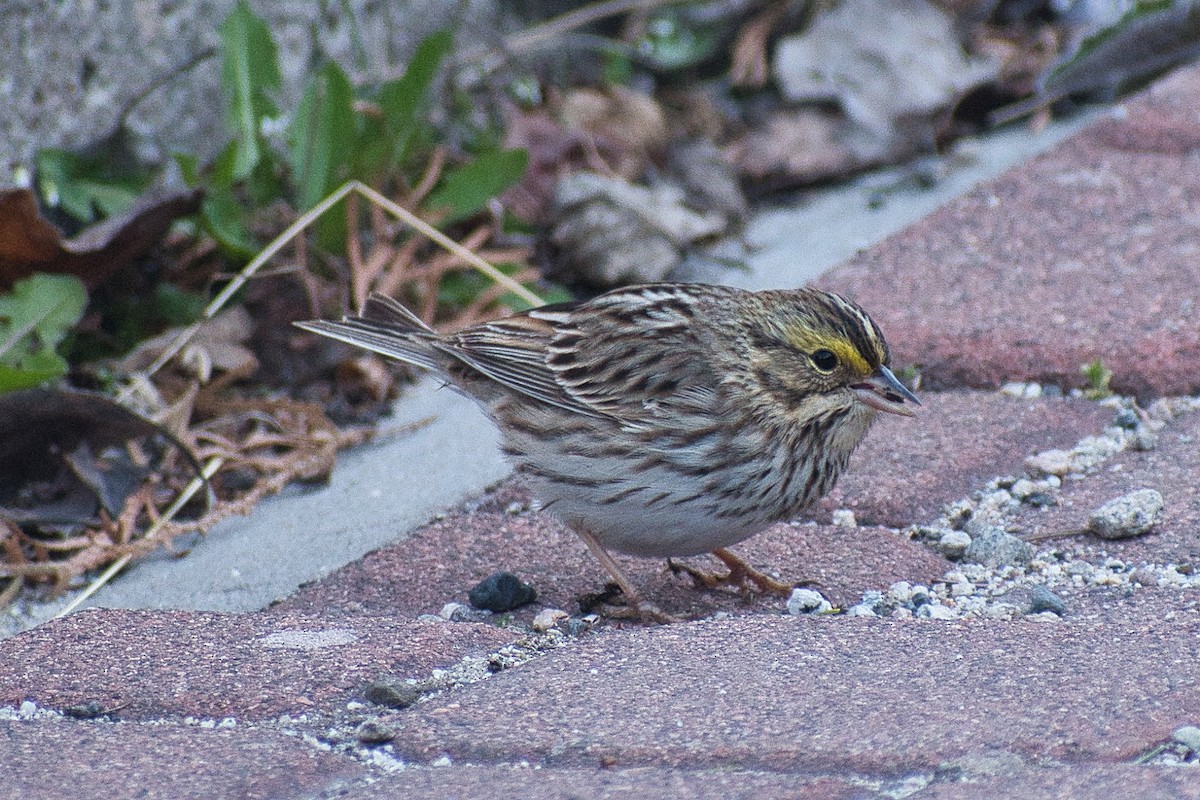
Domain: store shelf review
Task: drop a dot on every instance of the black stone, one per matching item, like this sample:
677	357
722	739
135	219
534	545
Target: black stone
501	591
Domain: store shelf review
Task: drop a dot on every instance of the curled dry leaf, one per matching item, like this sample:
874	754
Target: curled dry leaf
797	145
610	232
630	123
29	243
881	61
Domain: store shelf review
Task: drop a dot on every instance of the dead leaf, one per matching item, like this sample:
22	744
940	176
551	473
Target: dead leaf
881	61
29	243
55	459
610	232
797	146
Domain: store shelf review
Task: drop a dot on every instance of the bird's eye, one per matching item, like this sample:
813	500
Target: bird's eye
824	360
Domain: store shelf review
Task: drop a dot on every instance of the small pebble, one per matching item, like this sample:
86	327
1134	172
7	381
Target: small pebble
953	545
501	591
1145	439
392	693
1133	514
372	731
457	612
861	610
1188	736
961	590
28	709
1042	599
806	601
1001	611
547	618
1022	488
844	518
1050	462
930	611
1143	577
1128	419
919	597
997	548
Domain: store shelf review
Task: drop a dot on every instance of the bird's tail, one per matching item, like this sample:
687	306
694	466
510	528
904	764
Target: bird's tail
385	327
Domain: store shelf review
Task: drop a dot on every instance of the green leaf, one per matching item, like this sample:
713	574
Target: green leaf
402	98
34	370
249	76
322	135
385	139
34	318
321	139
224	219
189	167
83	186
467	189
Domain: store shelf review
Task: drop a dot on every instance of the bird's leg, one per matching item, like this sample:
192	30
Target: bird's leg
636	608
740	573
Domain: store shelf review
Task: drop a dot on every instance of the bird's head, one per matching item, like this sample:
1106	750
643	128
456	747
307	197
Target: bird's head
815	352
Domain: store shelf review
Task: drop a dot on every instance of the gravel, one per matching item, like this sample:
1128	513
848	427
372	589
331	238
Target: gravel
1000	576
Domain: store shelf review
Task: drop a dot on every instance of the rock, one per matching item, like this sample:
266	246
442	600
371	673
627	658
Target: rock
844	518
1051	462
392	693
900	593
547	618
954	544
998	548
1130	515
931	611
1188	736
806	601
1042	599
861	610
501	591
372	731
457	612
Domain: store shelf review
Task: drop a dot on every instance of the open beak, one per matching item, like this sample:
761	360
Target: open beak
884	391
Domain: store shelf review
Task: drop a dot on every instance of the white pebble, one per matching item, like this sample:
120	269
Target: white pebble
28	709
1188	736
1050	462
930	611
953	544
547	618
844	518
806	601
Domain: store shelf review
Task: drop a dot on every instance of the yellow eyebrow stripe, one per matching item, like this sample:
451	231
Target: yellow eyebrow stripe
808	342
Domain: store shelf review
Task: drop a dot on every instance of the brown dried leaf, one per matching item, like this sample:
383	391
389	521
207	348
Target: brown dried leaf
29	243
796	146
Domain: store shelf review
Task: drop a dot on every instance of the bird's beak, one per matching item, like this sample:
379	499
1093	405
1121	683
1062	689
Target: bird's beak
884	391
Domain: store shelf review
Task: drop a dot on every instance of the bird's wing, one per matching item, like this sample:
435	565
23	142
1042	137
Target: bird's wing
633	354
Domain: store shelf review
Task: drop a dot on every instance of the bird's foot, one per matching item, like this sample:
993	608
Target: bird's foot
615	603
739	576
